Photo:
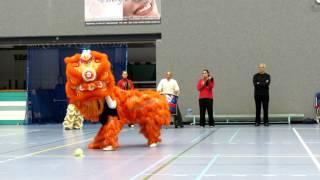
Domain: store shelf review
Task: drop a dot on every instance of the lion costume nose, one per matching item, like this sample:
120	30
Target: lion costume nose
89	75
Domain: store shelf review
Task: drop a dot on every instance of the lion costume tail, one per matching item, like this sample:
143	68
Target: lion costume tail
149	109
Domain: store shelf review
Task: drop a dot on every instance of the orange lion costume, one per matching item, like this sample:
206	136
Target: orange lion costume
91	88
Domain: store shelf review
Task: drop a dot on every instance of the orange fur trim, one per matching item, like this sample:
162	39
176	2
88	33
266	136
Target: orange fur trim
107	135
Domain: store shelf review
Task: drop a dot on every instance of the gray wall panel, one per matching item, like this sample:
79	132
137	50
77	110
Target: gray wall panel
228	37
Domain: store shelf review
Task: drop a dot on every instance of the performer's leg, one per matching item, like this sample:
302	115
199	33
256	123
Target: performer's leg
107	135
151	131
69	118
99	141
78	122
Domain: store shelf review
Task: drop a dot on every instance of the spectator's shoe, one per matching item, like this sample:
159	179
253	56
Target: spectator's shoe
266	124
176	126
257	124
181	126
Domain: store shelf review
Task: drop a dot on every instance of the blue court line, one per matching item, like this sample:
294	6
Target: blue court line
204	171
234	135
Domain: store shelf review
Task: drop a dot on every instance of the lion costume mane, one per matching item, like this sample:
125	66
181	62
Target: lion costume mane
90	80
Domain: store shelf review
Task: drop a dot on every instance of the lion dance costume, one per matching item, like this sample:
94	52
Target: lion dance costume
73	118
91	88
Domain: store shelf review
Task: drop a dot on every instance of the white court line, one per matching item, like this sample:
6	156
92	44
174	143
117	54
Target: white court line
180	175
210	175
268	175
239	175
313	158
150	167
313	142
169	174
233	136
204	171
216	143
263	156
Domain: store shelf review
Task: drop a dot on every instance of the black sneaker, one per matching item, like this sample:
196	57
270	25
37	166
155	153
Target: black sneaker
257	124
266	124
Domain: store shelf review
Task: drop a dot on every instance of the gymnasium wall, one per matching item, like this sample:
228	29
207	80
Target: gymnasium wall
228	37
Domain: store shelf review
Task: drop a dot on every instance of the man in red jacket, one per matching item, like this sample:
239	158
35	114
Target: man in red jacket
125	84
205	87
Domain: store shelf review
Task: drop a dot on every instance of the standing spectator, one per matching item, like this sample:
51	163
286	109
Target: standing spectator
261	82
205	87
169	87
126	84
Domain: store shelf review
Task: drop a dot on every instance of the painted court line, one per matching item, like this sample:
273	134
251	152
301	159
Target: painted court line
150	167
312	142
265	156
313	158
239	175
298	175
46	150
204	171
155	172
233	136
42	151
269	175
48	143
200	136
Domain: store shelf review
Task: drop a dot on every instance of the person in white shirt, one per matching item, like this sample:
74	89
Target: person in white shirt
169	86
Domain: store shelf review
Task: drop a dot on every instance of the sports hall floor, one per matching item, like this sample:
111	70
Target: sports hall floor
225	152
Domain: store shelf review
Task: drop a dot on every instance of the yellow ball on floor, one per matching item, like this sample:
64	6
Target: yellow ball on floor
78	152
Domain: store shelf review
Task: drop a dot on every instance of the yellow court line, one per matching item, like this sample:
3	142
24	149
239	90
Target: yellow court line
42	151
46	150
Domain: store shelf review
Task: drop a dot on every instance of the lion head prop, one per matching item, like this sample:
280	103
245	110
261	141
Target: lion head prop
89	80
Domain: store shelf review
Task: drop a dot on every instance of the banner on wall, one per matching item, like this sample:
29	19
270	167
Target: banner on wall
104	12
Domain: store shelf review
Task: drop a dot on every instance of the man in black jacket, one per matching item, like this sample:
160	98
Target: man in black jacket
261	82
